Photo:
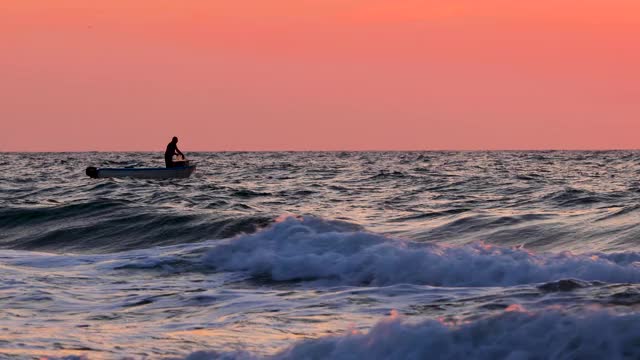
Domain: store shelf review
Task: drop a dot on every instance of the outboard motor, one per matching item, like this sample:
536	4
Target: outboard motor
92	172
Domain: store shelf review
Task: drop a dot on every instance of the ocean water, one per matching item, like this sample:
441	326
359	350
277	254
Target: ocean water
337	255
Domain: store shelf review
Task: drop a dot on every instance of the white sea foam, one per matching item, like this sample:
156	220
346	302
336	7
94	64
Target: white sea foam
315	249
512	335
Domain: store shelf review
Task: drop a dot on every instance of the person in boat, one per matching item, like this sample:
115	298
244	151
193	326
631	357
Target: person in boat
172	149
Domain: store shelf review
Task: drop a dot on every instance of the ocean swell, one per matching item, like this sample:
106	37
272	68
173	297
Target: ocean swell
104	226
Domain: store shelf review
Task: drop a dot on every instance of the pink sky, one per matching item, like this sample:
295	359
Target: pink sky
319	74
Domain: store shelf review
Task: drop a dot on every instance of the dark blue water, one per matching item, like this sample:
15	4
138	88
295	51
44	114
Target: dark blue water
520	255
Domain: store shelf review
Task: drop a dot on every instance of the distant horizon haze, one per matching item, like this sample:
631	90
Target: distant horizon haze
328	75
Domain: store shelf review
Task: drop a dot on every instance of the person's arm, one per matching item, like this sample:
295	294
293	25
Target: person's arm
178	152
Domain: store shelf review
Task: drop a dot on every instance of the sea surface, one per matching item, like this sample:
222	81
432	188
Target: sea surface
322	255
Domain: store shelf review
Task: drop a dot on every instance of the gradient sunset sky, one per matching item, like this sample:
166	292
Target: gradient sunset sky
319	74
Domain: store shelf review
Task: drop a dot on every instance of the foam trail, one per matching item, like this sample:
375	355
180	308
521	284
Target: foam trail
315	249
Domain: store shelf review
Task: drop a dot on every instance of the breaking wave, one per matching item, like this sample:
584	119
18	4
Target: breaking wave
311	249
515	334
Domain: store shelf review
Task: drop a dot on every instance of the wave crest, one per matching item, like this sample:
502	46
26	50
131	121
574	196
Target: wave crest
515	334
314	249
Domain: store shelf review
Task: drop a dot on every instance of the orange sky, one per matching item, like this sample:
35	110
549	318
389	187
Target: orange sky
319	74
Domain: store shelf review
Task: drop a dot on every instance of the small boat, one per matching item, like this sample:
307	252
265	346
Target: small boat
181	171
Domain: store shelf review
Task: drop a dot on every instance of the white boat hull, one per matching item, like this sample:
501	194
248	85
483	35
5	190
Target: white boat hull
143	173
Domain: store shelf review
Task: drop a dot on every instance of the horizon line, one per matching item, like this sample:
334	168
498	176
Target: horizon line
326	151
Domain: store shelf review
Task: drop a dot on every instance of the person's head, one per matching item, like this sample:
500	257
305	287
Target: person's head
174	140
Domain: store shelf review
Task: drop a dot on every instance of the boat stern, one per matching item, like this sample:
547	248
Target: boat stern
92	172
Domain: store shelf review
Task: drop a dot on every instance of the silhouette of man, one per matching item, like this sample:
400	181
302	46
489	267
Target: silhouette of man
172	149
